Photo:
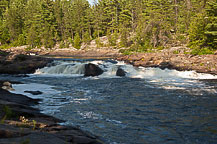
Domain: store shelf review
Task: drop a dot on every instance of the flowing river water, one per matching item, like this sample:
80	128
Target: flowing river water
149	105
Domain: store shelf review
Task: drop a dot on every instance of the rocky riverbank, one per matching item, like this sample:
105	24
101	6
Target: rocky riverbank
19	63
20	123
172	58
169	58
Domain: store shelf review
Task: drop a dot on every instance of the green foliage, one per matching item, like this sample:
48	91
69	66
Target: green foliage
124	34
5	46
4	32
196	31
142	25
99	43
7	113
77	41
203	29
86	38
34	124
176	52
211	26
128	51
21	40
62	44
112	38
202	51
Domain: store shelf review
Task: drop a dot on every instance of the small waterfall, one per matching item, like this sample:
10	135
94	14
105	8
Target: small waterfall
63	69
110	68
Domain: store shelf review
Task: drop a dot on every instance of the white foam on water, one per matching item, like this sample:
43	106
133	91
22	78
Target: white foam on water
157	73
74	68
45	89
89	115
49	103
62	69
167	79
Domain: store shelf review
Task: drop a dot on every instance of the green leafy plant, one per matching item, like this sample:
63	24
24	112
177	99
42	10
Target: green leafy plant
7	113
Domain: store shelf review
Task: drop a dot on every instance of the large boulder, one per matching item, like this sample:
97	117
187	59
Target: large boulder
120	72
92	70
16	63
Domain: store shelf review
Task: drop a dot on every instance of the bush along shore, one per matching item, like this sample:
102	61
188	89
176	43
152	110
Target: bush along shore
20	123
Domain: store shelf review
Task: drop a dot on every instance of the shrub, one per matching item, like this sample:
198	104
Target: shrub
202	51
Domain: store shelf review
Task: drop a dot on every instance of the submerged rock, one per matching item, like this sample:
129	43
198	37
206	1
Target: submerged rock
34	92
120	72
92	70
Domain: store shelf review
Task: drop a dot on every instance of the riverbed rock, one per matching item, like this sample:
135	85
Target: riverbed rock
34	92
120	72
92	70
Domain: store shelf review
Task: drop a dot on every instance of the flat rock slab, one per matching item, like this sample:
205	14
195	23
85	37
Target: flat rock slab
34	127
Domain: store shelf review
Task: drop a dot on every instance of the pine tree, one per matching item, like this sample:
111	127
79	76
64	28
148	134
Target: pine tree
86	38
48	24
77	41
15	18
33	23
211	27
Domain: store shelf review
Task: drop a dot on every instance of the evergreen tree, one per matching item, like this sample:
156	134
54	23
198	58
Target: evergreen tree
15	18
77	41
86	38
33	23
211	26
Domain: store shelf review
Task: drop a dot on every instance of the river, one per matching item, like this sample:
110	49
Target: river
149	105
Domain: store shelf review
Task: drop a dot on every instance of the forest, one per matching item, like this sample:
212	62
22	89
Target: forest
140	25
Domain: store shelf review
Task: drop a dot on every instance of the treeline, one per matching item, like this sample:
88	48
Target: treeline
141	25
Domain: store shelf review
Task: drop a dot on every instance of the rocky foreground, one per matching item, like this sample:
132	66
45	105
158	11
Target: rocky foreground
22	124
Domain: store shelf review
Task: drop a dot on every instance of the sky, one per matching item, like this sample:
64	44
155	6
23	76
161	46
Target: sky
91	2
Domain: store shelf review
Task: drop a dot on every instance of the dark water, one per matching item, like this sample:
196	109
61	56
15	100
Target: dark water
133	110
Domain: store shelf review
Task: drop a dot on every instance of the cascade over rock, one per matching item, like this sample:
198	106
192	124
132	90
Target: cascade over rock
92	70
